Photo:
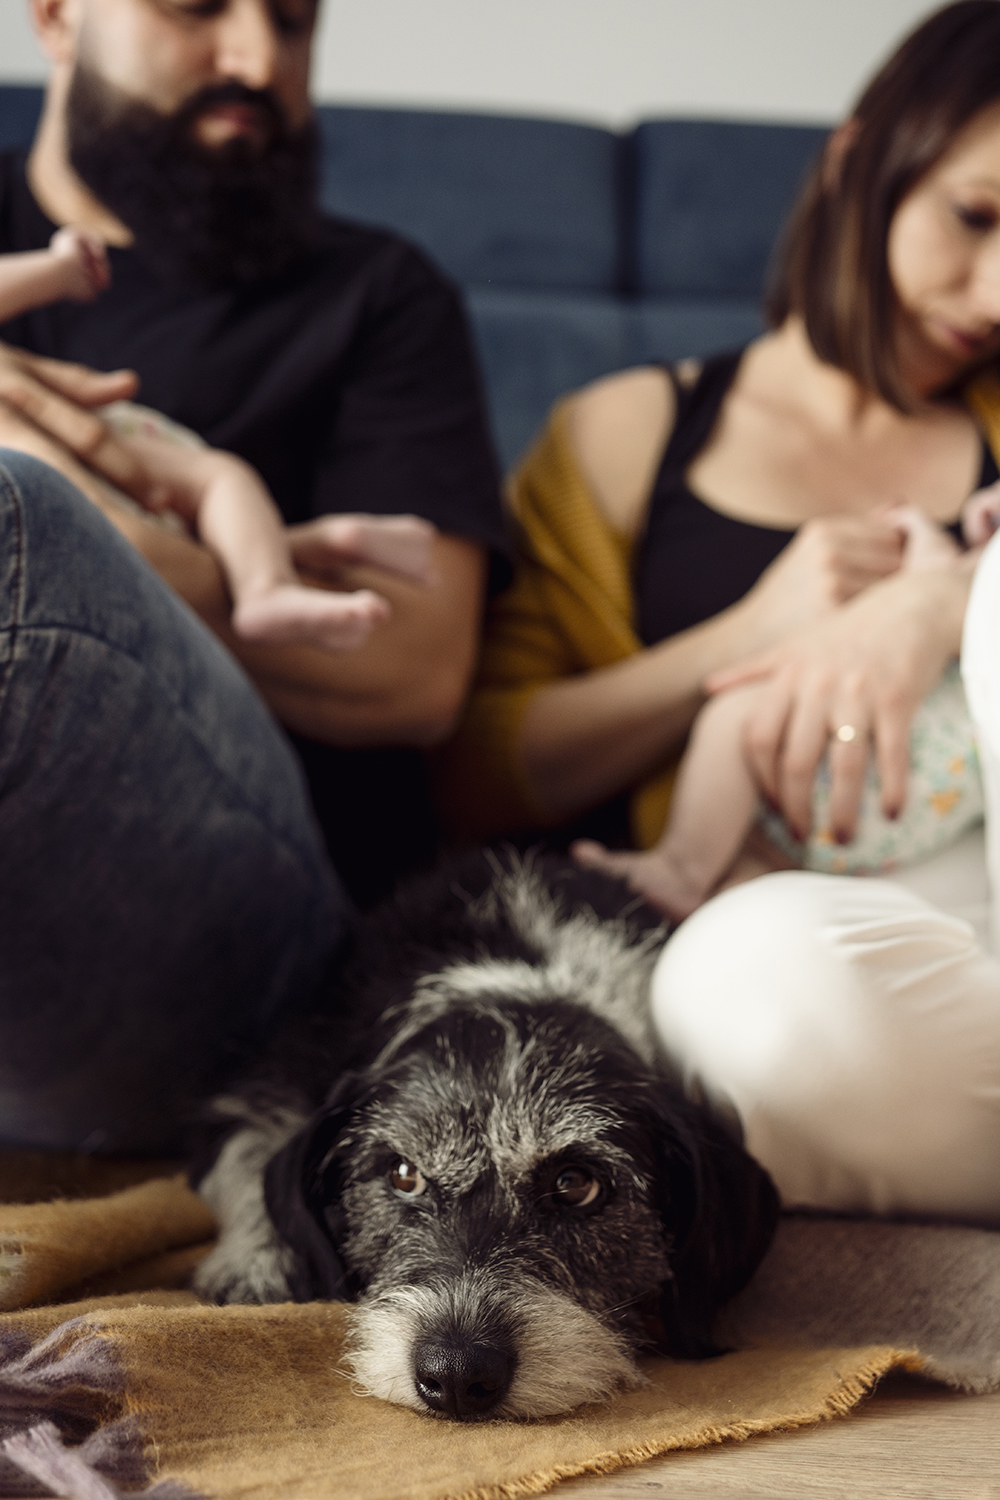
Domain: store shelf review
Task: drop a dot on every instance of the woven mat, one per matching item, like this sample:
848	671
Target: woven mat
152	1390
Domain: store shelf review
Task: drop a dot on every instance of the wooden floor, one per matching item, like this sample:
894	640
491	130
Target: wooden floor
910	1441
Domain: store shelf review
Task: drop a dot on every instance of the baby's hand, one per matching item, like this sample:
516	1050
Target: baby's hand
926	545
399	544
981	515
84	260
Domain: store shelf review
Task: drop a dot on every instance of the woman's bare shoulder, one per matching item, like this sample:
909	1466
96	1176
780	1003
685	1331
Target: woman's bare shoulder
619	427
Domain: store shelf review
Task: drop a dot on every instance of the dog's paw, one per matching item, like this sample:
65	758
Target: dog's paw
238	1271
251	1263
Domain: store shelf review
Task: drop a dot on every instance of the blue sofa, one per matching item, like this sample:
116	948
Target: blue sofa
579	251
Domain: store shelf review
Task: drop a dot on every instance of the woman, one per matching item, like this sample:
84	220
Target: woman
723	525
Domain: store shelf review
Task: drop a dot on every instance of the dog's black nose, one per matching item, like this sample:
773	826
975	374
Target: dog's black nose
463	1381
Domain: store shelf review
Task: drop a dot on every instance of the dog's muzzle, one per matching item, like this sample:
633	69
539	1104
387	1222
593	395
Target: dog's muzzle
461	1380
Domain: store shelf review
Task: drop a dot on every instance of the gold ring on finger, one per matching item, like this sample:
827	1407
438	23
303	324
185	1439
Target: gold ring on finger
847	734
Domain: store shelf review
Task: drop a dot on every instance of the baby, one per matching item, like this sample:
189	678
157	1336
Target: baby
222	499
716	801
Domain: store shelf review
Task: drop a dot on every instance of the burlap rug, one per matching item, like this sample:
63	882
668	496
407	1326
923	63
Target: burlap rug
133	1386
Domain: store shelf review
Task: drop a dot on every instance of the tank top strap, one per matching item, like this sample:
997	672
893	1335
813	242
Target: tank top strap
697	411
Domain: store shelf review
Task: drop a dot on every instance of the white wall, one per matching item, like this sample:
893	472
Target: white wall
609	61
20	59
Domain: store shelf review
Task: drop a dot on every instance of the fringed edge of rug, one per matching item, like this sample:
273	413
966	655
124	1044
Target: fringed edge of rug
55	1437
41	1453
839	1403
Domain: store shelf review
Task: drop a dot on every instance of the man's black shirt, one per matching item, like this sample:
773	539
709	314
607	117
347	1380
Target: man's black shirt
349	383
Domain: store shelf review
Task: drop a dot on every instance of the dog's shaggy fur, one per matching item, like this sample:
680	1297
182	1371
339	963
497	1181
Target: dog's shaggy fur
504	1179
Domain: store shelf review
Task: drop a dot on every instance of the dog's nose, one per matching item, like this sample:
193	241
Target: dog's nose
462	1380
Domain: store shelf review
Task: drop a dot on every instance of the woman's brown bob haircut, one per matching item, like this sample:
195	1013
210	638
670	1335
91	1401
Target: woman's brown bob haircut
831	264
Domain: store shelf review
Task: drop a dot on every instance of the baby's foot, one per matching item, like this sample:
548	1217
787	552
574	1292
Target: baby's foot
292	614
651	874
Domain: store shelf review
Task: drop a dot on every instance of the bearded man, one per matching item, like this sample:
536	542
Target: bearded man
166	895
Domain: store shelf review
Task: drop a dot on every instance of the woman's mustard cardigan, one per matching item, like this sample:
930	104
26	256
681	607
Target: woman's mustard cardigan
570	609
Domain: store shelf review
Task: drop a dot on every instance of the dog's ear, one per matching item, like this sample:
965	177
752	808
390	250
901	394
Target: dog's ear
302	1194
720	1210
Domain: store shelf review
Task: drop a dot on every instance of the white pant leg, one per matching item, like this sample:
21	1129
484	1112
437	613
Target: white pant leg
854	1025
857	1032
981	677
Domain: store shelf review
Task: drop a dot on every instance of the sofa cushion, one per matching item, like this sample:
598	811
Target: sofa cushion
534	346
711	197
20	107
495	200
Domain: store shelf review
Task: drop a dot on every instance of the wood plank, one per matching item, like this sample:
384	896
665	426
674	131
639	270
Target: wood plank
912	1440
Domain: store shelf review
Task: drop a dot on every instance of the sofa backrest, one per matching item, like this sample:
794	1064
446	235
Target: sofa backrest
710	198
579	250
20	106
496	200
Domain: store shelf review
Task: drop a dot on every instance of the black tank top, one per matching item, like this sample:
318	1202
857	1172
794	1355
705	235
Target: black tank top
692	561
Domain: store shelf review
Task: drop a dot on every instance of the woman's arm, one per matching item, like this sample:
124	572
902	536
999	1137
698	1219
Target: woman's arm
589	736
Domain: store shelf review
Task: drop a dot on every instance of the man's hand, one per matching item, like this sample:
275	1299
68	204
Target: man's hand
407	684
399	544
17	432
47	407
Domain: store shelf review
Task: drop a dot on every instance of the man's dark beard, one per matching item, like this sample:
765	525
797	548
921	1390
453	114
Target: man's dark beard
210	216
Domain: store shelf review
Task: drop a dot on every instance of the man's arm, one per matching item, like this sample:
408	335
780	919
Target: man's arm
405	686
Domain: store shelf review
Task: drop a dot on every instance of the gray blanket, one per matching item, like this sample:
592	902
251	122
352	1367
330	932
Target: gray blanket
843	1282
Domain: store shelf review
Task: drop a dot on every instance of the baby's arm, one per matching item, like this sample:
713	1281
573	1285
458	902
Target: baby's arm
74	267
711	813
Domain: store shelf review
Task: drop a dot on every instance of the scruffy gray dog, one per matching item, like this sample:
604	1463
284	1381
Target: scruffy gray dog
481	1148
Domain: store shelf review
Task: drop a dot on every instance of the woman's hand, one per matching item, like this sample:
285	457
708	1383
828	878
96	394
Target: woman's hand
829	561
851	683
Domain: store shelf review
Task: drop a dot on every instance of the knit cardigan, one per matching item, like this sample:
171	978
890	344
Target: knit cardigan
570	609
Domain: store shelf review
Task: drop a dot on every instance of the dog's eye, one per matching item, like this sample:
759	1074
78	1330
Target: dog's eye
576	1188
407	1179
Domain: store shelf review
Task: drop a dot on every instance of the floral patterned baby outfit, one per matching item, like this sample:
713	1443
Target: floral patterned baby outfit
944	797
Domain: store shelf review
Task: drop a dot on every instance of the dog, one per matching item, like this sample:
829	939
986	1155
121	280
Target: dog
480	1147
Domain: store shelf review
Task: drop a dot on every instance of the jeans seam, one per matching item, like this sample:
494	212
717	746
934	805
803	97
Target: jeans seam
10	494
251	804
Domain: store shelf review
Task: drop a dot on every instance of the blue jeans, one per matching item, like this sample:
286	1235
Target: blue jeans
164	893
